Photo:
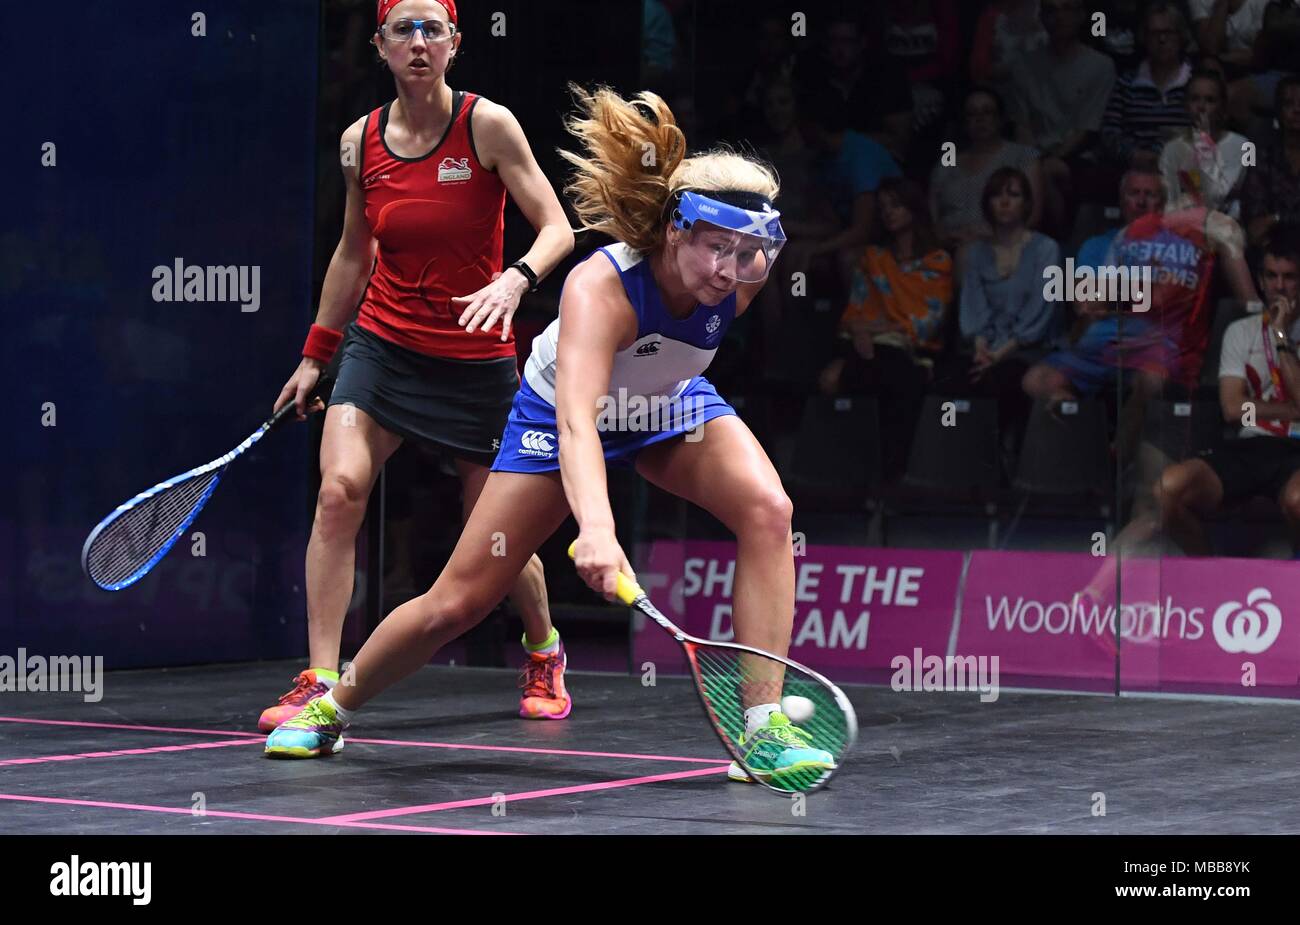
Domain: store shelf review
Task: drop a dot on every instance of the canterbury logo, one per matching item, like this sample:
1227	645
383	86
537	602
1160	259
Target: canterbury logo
536	443
453	170
648	349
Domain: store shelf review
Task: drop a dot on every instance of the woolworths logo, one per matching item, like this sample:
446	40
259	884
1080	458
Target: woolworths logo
1248	627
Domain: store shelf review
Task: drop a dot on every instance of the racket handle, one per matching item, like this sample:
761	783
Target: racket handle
626	589
322	386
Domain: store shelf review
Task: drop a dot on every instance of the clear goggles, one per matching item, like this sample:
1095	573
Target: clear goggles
734	242
402	30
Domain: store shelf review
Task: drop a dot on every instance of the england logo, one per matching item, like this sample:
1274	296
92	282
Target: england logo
712	326
454	170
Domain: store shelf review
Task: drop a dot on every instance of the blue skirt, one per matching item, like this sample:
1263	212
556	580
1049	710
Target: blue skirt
530	442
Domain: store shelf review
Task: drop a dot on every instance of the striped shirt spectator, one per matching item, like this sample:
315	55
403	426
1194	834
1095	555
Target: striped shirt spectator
1145	103
1139	114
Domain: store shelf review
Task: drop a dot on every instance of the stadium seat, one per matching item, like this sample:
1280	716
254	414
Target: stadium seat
1180	429
1065	452
955	448
835	461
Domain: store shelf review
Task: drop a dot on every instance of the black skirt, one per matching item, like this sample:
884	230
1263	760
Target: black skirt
457	406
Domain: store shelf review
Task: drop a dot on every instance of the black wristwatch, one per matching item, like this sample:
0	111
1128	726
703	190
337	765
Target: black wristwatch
528	273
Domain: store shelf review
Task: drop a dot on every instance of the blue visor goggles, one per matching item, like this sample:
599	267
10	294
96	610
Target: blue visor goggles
742	243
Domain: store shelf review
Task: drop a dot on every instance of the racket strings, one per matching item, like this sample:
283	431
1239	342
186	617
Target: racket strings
130	541
732	680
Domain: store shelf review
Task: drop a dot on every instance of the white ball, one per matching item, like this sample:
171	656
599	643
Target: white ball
798	709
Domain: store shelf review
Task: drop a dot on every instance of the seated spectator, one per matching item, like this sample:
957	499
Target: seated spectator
1252	97
1272	190
773	62
924	38
806	211
849	167
1207	96
1259	389
1265	460
1057	98
900	291
1228	28
1148	102
957	191
1006	31
872	88
1141	192
1007	323
1157	335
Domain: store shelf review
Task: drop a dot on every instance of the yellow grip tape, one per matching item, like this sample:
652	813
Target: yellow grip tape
626	589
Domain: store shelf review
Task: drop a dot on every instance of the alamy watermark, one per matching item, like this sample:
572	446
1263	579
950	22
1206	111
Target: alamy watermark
38	674
195	283
1098	284
76	877
920	672
633	412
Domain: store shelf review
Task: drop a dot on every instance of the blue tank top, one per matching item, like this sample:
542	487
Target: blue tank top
668	352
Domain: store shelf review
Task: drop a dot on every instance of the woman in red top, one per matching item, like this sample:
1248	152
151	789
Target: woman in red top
430	356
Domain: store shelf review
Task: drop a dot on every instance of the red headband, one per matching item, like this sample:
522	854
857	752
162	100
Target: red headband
386	7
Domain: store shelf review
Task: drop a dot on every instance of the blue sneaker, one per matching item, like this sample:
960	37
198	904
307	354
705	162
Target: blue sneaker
780	752
314	732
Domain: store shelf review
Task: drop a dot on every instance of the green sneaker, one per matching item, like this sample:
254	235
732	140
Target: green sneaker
314	732
780	752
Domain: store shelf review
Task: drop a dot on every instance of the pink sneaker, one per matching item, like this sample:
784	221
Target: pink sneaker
542	679
305	688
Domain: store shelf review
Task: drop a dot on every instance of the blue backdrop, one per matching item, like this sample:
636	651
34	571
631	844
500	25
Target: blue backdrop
136	143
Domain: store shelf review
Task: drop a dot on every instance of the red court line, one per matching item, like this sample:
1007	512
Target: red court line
260	817
529	795
406	742
128	751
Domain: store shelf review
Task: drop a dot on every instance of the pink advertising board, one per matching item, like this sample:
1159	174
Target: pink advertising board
1226	626
855	609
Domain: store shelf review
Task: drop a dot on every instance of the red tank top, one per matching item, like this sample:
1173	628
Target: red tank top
438	221
1177	249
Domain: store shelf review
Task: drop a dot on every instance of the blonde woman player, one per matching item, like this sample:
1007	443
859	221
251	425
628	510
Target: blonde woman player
425	360
641	317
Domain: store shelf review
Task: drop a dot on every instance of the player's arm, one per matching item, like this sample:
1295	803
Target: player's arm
348	272
1229	243
349	268
596	321
502	146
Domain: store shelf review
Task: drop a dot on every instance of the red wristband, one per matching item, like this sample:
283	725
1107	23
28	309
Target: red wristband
321	343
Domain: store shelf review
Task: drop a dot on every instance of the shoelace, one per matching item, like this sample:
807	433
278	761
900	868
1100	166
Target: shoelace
302	688
790	735
312	716
538	679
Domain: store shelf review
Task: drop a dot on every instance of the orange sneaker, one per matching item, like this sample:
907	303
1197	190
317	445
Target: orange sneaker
544	695
306	687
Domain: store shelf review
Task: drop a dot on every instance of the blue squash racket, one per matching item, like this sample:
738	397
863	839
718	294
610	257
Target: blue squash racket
129	542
